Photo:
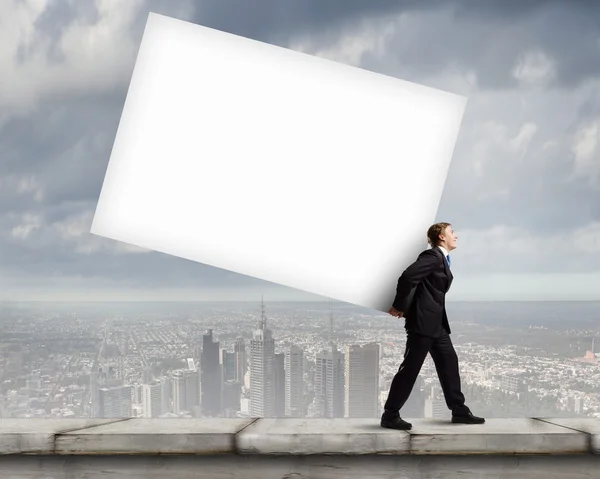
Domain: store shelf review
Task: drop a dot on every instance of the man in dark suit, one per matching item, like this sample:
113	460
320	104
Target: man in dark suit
420	298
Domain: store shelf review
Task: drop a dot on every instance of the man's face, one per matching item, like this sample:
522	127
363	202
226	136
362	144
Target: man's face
450	238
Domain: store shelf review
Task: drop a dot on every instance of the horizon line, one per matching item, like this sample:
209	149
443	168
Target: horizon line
289	301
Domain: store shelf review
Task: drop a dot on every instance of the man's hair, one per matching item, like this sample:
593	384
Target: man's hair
434	232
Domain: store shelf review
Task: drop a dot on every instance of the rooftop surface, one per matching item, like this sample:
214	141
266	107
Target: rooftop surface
321	445
297	436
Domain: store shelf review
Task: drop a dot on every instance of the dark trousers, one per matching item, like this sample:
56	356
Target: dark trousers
446	364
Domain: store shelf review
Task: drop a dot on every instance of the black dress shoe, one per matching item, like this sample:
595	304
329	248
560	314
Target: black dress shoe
467	419
395	423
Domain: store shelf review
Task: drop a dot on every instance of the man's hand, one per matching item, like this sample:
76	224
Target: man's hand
394	312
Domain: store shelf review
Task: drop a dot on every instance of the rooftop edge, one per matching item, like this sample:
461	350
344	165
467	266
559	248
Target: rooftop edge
296	436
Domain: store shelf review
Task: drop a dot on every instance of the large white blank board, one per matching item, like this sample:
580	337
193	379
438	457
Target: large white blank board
276	164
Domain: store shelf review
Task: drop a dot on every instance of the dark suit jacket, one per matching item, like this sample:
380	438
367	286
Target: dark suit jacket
421	294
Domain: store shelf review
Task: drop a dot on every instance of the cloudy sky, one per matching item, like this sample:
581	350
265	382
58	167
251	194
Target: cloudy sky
523	191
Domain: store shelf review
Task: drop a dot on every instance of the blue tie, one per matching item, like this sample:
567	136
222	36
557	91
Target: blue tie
448	260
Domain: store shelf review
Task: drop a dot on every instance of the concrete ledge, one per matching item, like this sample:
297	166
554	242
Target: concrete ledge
590	427
38	436
321	436
154	436
496	436
256	466
298	437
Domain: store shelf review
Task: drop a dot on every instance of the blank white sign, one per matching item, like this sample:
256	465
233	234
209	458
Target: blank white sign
276	164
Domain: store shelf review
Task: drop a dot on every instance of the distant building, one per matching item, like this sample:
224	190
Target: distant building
512	384
232	393
228	365
241	360
152	400
329	383
115	402
435	408
262	370
211	380
362	381
279	384
294	382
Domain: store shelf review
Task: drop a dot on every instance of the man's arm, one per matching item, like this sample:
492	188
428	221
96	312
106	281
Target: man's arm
413	275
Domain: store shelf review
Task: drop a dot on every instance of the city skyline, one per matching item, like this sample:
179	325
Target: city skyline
319	361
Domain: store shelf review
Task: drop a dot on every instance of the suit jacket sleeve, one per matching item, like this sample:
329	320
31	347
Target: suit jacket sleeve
427	261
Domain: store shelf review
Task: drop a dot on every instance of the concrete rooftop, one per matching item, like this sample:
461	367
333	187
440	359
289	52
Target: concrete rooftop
228	444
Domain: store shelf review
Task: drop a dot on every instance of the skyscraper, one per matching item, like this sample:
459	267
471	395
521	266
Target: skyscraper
280	383
362	376
185	391
166	393
178	389
330	383
228	365
262	373
211	376
192	390
329	378
152	399
241	362
294	382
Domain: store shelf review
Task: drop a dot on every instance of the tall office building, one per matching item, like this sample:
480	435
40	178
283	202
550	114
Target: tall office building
211	382
330	383
152	400
241	361
115	401
280	382
330	378
186	391
192	390
362	376
262	373
178	389
294	382
166	393
228	365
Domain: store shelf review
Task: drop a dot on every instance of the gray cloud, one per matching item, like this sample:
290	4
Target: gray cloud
505	47
275	21
529	186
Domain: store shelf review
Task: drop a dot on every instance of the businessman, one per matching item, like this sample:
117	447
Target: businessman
420	299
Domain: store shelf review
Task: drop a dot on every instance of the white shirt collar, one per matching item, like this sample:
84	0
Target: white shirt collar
444	251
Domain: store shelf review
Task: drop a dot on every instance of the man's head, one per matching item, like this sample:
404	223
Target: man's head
442	234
